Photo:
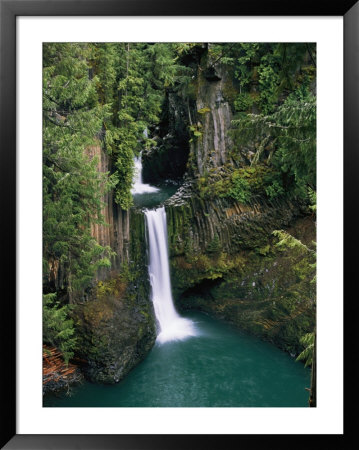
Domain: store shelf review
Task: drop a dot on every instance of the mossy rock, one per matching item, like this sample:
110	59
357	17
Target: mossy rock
114	335
267	291
116	327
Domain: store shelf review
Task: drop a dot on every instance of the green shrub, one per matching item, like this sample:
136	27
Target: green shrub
240	189
274	190
243	102
215	245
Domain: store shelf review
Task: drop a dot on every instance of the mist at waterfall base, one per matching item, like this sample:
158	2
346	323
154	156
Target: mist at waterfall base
197	361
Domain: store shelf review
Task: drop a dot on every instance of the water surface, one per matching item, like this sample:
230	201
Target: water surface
219	367
153	199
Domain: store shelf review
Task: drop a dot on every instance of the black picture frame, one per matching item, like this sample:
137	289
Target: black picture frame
9	10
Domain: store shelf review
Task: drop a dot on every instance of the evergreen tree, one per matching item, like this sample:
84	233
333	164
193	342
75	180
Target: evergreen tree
58	329
104	94
290	133
72	186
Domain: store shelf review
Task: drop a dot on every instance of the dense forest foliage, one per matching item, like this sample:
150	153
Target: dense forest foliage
274	114
109	94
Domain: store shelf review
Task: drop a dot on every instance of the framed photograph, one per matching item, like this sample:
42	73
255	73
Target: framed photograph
170	280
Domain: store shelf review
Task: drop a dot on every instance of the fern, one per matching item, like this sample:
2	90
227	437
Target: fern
313	199
307	354
288	241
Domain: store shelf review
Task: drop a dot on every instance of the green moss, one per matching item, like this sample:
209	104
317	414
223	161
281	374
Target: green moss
195	131
116	326
241	184
204	110
263	250
115	287
192	268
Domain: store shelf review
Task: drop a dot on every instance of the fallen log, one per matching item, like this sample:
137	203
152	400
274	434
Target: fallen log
56	374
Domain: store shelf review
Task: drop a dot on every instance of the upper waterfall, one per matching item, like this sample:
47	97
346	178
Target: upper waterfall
139	187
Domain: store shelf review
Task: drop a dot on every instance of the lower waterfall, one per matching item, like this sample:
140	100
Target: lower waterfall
172	326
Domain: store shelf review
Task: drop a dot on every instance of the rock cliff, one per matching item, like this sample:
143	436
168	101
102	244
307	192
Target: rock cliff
115	321
225	259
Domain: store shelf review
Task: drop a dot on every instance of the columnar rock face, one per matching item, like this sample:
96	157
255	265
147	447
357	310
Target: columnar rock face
115	233
212	118
116	323
225	261
235	226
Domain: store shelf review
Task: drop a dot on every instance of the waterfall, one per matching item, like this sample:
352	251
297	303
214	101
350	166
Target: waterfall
172	326
139	187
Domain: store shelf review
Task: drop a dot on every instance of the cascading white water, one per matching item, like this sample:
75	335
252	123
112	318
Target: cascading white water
139	187
172	326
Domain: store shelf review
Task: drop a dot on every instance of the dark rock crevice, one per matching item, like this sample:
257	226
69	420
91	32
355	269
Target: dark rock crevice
168	159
